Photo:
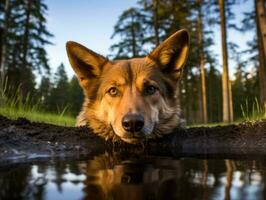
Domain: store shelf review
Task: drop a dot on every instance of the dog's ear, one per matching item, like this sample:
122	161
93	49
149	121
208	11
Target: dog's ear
86	63
171	54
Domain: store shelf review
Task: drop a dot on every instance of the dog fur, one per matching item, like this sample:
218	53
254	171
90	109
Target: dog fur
146	87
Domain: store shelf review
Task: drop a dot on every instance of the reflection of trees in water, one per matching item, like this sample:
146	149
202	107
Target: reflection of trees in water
113	176
244	177
13	181
30	181
205	178
126	176
229	178
59	170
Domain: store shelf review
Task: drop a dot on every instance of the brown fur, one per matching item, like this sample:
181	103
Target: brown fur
132	80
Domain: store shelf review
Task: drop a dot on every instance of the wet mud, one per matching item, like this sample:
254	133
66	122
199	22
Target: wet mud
25	141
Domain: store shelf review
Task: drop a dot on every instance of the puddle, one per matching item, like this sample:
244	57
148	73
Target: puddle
119	176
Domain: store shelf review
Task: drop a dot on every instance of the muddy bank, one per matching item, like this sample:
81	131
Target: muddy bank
22	140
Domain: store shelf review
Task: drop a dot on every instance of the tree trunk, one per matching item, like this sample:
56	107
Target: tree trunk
202	66
155	22
261	39
229	178
3	40
227	115
187	98
231	101
1	49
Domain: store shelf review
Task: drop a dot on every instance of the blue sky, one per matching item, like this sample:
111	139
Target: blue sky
91	22
87	22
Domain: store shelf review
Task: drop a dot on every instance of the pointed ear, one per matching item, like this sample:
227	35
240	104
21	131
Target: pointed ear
86	63
171	54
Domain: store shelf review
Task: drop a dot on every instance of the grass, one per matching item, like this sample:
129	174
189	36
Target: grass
253	112
207	125
12	106
250	113
38	116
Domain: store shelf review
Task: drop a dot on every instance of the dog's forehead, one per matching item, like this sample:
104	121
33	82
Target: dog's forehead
126	70
134	64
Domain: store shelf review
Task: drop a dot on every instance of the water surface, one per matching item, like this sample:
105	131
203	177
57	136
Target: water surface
119	176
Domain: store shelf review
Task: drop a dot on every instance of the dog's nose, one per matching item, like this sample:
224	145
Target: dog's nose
132	122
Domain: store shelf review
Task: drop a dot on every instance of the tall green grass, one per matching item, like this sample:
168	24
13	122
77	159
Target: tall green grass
13	106
253	112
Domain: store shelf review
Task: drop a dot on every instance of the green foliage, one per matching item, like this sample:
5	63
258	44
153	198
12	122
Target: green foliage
24	36
214	94
61	95
38	116
14	106
253	111
57	99
245	90
75	97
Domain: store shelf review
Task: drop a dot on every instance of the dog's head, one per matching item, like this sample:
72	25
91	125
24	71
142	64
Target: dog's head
136	98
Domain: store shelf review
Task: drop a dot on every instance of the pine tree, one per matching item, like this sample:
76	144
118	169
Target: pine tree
260	11
58	98
76	97
255	54
44	91
25	37
214	93
156	16
131	31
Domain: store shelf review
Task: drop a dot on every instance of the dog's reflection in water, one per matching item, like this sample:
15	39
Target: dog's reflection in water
115	177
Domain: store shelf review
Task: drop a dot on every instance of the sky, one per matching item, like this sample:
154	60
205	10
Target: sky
91	22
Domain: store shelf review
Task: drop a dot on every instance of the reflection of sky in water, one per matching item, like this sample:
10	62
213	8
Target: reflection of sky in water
116	179
70	188
247	185
69	191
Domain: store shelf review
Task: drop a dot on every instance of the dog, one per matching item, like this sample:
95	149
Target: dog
134	99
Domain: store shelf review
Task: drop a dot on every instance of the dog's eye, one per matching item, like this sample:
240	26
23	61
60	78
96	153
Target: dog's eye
150	90
113	91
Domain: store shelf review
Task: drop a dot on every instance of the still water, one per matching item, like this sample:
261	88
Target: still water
114	176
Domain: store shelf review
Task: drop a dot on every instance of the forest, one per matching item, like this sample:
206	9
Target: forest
207	92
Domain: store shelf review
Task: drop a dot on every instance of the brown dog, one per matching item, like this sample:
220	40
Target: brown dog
134	99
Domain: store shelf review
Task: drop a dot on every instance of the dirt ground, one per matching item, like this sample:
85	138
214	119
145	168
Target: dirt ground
22	140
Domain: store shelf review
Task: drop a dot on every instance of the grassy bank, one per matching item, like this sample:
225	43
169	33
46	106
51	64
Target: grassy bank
13	107
38	116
